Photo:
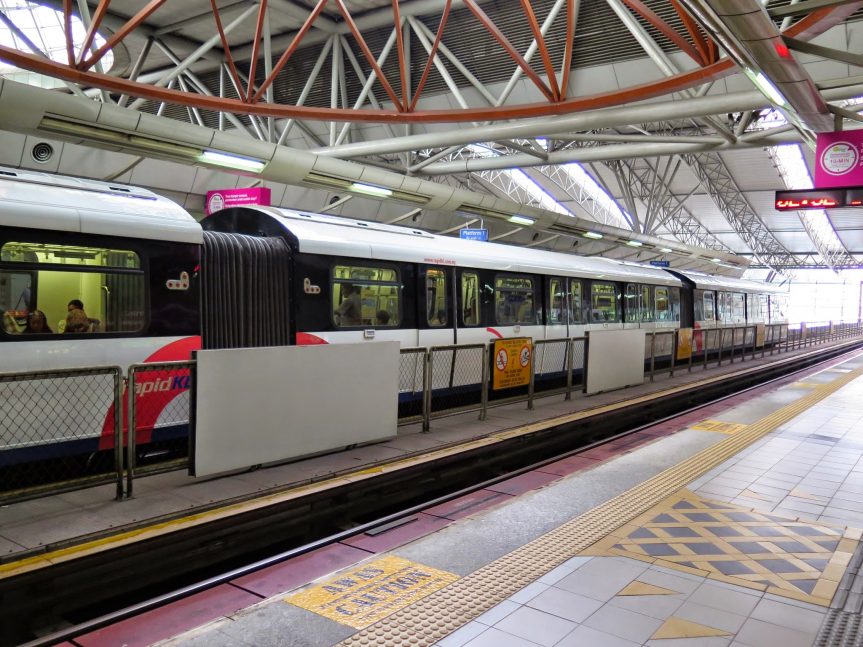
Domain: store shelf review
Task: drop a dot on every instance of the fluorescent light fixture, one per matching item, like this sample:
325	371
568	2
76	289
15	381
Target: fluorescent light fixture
521	220
715	260
634	243
665	250
370	189
766	87
592	234
228	160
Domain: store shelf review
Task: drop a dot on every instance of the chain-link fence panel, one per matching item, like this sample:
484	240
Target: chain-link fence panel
411	384
157	412
57	430
579	356
549	365
455	377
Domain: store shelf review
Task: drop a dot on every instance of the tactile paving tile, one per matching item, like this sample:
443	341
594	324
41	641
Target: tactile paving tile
799	559
439	614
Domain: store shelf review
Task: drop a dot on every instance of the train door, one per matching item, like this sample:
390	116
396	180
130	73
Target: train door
470	308
605	310
435	312
576	309
556	319
516	311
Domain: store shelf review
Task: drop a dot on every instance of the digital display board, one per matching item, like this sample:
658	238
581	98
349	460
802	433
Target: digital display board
818	199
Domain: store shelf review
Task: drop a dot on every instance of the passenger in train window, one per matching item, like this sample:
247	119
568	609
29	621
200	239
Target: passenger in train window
76	319
383	318
37	323
525	310
349	313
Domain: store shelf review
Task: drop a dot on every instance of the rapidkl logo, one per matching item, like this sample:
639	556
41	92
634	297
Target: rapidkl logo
176	383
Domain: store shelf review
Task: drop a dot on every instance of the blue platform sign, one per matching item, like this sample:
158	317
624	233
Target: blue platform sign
661	263
473	234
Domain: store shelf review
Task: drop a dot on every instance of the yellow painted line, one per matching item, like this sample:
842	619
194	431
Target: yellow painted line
442	612
719	426
27	564
364	594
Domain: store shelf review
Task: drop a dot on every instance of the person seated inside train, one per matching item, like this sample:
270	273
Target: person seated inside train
37	323
382	318
349	312
76	319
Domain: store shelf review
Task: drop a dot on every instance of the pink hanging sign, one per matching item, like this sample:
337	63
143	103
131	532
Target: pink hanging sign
839	159
227	198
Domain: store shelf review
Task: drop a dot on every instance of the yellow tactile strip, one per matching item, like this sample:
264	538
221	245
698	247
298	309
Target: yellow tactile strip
719	426
441	613
781	555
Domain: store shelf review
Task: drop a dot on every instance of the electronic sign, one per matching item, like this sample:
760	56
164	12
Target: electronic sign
813	199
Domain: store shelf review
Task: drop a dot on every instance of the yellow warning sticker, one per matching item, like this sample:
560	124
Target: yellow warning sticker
719	427
363	595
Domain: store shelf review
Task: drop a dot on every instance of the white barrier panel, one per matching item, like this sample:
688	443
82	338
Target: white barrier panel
615	359
262	405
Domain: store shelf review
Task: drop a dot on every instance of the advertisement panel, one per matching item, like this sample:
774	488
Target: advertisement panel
227	198
760	330
511	359
839	159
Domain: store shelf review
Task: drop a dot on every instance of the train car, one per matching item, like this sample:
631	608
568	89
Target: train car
127	255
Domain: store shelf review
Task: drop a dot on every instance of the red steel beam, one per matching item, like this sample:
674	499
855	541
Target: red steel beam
504	42
93	28
645	12
120	34
368	53
694	32
397	21
286	55
821	20
227	48
67	22
432	54
640	92
256	48
567	52
543	50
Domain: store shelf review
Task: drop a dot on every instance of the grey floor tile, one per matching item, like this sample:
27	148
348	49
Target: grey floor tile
569	606
535	625
597	583
787	615
793	602
711	616
624	624
497	613
463	635
528	593
589	637
758	633
660	607
496	638
684	583
733	600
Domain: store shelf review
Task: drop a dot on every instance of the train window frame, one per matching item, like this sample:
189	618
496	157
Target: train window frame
475	305
668	306
557	314
593	303
631	307
366	282
433	309
521	315
709	297
74	246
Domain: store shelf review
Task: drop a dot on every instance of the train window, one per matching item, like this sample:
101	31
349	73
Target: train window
109	283
514	302
663	305
575	311
698	305
738	311
674	293
557	300
470	298
365	296
762	306
603	302
724	308
436	291
709	311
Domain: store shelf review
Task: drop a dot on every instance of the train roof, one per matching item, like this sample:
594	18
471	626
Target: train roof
54	202
709	282
334	235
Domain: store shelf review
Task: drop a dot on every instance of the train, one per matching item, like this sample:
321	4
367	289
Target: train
157	285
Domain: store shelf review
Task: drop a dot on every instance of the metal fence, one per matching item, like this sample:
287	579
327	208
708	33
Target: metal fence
65	429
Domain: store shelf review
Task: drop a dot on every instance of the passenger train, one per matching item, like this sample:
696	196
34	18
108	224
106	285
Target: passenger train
156	285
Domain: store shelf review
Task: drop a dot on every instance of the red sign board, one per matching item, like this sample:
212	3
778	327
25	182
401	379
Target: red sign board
839	159
227	198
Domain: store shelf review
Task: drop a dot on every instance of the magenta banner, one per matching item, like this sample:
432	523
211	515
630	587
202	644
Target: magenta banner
227	198
839	159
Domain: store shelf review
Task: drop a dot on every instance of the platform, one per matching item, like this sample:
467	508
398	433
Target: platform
736	530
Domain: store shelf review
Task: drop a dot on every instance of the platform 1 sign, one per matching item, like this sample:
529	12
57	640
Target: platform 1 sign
839	159
473	234
661	263
361	596
511	358
227	198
